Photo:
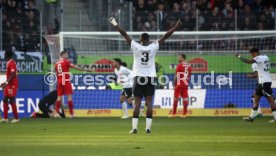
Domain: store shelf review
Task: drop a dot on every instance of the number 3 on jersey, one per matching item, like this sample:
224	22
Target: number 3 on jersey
145	58
267	65
59	68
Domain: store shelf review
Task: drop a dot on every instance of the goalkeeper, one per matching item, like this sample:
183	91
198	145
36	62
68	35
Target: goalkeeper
46	106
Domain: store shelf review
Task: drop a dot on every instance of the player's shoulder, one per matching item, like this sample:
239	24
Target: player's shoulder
124	69
134	43
154	44
11	62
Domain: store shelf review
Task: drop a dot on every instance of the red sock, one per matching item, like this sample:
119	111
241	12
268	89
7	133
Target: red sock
6	109
58	103
175	102
185	107
70	106
14	110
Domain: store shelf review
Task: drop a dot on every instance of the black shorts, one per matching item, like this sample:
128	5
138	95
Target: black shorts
144	86
127	92
264	89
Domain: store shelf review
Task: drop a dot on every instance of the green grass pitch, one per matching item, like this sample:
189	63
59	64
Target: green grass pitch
193	136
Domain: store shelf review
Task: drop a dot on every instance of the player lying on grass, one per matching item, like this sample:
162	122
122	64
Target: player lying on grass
46	106
124	78
144	71
10	88
64	86
264	86
181	84
254	75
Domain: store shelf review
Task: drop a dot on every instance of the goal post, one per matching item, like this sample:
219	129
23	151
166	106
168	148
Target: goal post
219	85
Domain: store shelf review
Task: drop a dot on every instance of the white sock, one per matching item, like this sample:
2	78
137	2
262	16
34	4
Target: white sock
148	123
259	109
124	107
274	114
253	114
134	123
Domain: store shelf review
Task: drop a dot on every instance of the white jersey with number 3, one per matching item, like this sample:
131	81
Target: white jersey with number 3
144	59
263	66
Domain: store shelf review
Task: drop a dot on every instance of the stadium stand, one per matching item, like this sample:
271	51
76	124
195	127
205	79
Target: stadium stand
20	25
204	15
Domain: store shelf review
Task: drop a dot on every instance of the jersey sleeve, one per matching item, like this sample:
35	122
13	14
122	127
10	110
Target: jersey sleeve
134	44
258	59
155	45
70	64
12	67
254	67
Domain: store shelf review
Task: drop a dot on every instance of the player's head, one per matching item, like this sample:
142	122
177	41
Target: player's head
64	55
254	52
181	57
124	64
8	54
144	38
117	62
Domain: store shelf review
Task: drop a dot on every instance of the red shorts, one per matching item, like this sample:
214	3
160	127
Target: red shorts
181	91
64	89
10	91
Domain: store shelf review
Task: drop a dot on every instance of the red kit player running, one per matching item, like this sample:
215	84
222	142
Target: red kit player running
64	86
181	84
10	88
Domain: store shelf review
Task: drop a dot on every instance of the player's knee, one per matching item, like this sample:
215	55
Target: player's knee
136	113
5	100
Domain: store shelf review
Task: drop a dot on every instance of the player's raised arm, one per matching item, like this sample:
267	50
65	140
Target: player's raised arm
120	29
245	60
82	69
170	32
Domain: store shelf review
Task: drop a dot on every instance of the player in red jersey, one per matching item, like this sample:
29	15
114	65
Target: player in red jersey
10	88
181	84
64	86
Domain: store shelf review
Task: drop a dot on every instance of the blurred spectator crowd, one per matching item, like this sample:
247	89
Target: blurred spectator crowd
20	25
204	15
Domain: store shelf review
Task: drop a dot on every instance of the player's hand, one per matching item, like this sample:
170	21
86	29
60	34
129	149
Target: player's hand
112	21
90	70
4	85
238	55
179	22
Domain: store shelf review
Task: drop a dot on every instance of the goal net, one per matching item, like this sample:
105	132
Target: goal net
219	83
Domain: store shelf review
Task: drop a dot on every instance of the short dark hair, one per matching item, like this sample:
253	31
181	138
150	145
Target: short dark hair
63	52
124	64
118	60
145	36
8	53
183	56
253	50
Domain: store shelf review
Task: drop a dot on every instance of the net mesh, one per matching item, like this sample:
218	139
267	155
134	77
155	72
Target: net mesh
209	53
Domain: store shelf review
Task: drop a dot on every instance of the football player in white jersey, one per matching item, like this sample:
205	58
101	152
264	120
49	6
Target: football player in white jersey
144	71
254	75
124	78
264	86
